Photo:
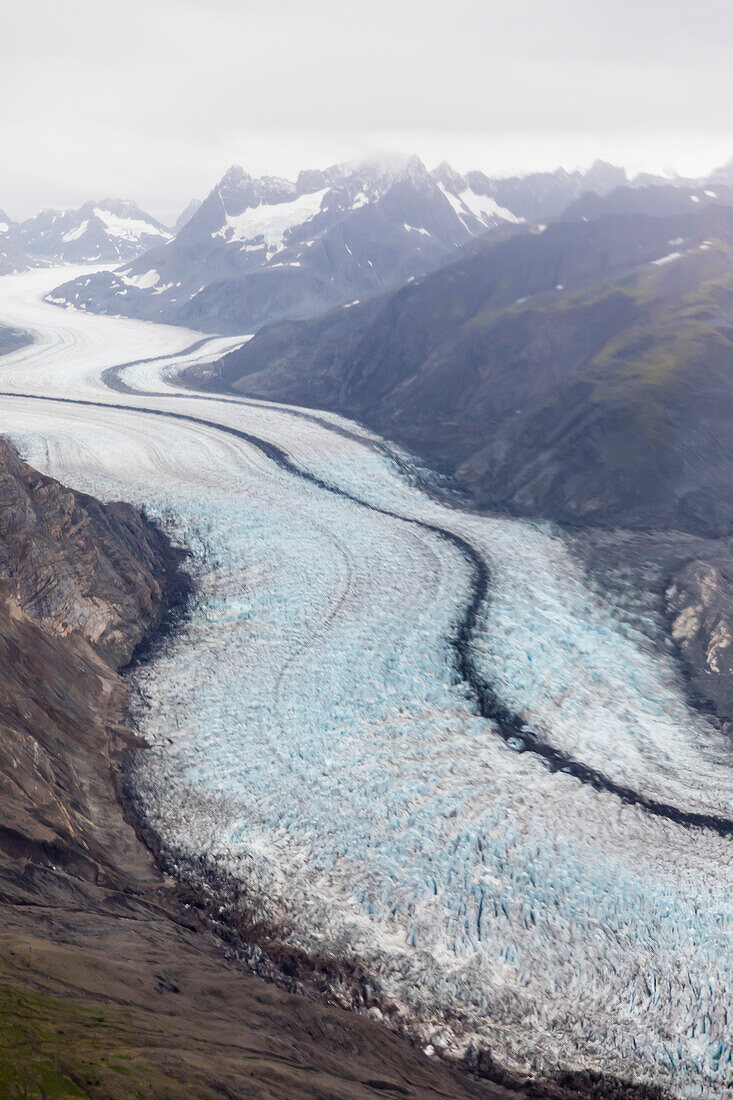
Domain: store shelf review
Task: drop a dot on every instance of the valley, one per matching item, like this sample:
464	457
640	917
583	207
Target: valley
344	732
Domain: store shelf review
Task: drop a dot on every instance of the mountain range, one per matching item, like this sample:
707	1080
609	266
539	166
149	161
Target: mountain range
257	250
561	346
108	231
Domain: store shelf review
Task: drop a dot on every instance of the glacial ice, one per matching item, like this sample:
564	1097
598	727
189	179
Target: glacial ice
309	736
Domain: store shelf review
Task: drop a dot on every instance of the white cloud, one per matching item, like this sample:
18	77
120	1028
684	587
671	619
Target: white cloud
155	99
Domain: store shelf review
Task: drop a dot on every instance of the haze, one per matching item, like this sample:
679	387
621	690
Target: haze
153	100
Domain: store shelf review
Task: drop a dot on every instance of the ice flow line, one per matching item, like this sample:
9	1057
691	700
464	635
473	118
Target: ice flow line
505	722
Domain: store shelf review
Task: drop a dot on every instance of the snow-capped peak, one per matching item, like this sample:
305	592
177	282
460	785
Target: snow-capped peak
103	229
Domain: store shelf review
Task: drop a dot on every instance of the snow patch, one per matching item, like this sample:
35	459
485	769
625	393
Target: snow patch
482	207
145	281
127	229
75	234
271	221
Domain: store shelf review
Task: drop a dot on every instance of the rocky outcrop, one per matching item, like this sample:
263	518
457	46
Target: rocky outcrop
77	567
12	338
700	605
81	585
677	590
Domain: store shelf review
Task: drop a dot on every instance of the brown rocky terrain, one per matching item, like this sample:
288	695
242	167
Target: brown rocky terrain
110	984
676	588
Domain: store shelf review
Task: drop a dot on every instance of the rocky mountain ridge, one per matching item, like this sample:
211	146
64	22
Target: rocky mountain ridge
113	230
106	231
259	249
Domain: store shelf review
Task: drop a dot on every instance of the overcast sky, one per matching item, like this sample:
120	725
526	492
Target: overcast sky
154	99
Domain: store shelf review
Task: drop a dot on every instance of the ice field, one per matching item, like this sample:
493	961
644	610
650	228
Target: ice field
311	735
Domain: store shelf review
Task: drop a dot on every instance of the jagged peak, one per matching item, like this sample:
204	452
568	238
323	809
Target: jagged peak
116	204
312	179
447	175
238	190
186	214
233	175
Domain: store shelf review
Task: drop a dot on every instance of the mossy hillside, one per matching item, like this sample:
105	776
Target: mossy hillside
58	1048
62	1042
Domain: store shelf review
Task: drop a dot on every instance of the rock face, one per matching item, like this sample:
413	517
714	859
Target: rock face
81	584
700	605
75	566
110	985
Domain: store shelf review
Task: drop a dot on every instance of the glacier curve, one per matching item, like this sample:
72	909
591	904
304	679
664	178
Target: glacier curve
315	736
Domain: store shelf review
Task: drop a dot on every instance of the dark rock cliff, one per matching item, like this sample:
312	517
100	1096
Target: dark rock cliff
699	601
77	567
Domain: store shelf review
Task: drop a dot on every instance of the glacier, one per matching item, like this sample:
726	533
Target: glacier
313	743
